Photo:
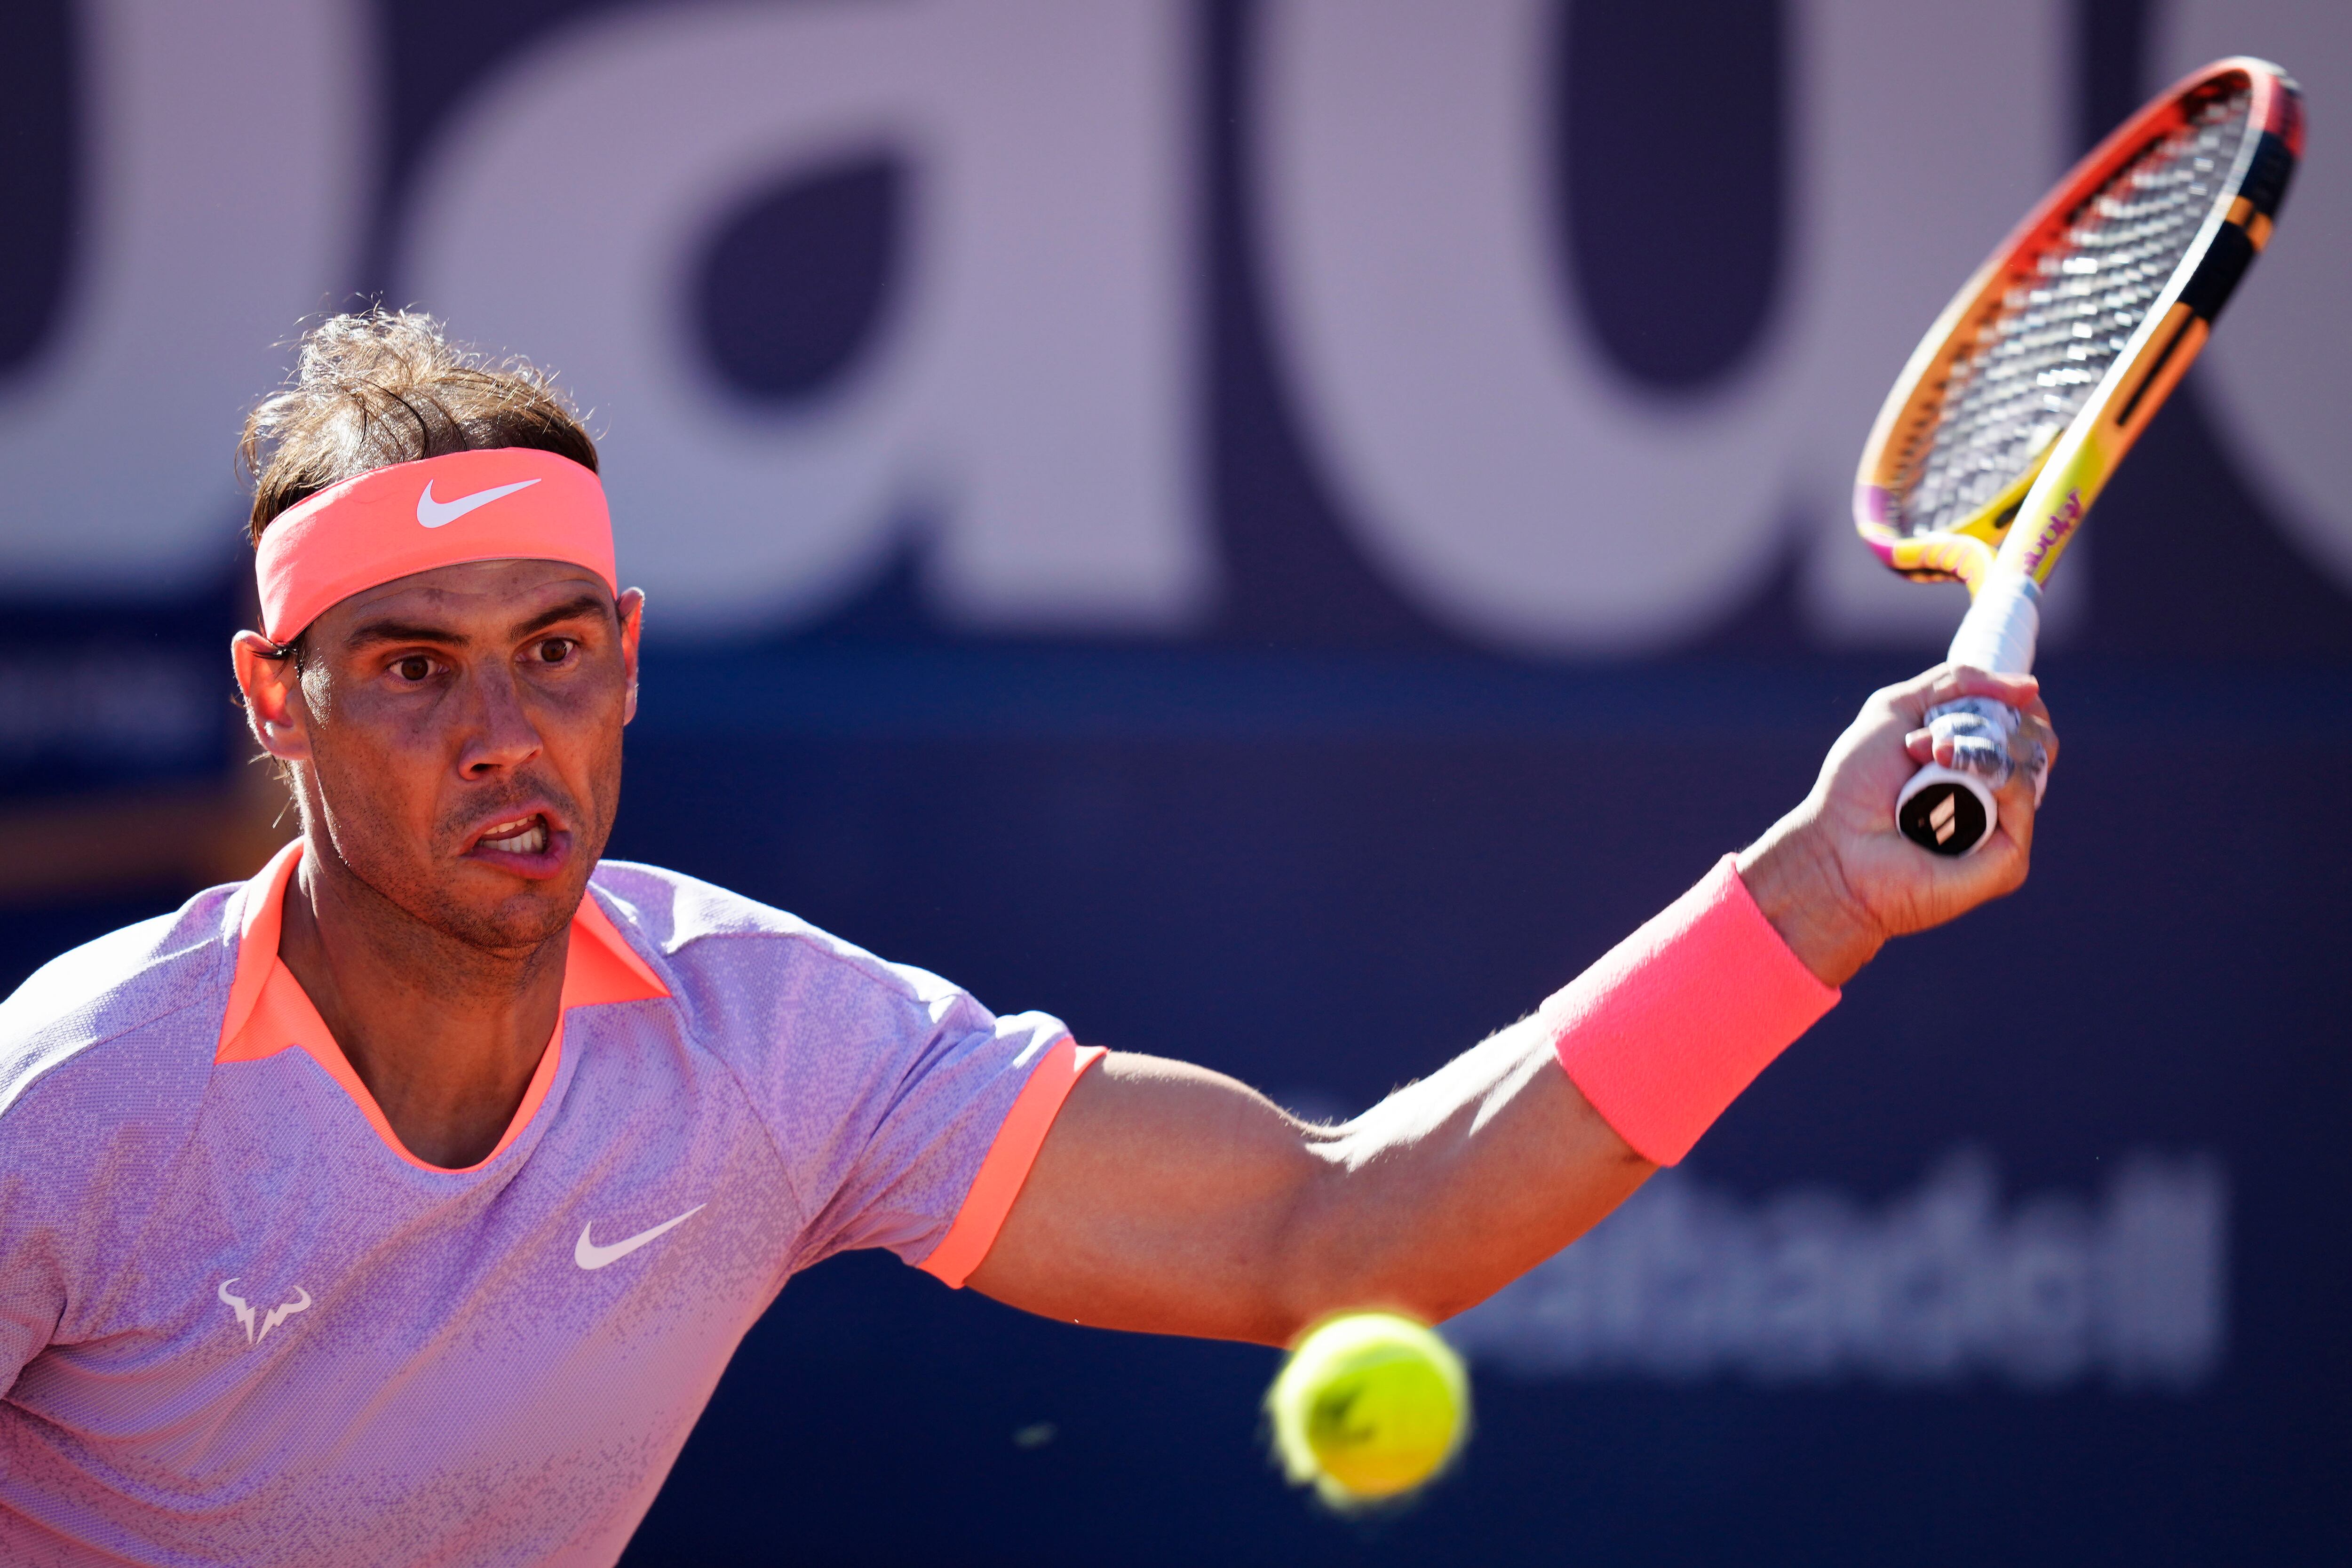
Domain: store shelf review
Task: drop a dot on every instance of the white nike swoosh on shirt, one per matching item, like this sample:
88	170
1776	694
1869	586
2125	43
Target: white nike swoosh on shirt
588	1254
431	513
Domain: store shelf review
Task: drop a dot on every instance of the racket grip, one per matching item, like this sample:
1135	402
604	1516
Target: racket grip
1951	810
2003	620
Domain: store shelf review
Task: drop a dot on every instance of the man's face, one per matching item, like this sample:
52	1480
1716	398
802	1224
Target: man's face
458	737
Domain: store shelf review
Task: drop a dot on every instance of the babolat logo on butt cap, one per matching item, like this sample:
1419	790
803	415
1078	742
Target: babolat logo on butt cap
1945	817
2062	523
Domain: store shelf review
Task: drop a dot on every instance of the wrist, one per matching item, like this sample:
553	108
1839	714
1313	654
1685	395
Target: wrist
1797	884
1676	1020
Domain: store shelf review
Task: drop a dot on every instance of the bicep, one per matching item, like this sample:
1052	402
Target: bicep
1157	1203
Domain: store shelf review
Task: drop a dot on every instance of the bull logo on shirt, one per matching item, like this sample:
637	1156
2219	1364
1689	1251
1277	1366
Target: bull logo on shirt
269	1319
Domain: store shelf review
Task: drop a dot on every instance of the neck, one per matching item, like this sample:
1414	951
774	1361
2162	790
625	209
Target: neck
445	1035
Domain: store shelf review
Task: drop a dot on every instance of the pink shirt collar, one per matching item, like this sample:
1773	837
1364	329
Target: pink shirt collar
269	1012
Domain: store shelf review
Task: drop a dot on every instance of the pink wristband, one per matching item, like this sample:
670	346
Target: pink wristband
1664	1031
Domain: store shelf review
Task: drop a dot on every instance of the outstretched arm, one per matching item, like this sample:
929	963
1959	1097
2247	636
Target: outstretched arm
1171	1199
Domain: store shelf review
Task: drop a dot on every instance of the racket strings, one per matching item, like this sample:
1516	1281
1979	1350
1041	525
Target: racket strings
2038	352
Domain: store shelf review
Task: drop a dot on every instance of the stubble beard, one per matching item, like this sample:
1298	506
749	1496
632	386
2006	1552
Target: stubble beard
426	888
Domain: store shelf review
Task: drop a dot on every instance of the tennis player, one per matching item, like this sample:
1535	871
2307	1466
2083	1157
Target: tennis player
405	1203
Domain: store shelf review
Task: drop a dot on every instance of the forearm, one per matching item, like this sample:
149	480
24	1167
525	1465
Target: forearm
1452	1186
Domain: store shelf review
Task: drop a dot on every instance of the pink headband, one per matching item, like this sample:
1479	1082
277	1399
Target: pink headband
503	504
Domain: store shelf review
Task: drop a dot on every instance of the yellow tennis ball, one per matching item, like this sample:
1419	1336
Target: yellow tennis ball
1369	1406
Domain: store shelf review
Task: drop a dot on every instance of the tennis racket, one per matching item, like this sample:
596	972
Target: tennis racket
2025	394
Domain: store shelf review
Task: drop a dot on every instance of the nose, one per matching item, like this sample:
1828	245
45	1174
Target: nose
503	736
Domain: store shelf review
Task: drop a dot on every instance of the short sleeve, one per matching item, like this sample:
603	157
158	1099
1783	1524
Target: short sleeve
886	1091
902	1114
933	1116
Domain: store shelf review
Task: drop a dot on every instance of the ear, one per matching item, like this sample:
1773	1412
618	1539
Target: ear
631	607
273	710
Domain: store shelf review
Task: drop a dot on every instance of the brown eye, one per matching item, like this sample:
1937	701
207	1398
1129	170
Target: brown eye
413	668
555	650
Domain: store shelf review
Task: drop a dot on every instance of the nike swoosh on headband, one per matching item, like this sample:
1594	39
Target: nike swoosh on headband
431	513
588	1254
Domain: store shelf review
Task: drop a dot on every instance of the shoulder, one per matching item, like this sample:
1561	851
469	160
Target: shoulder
117	987
110	1046
750	978
690	928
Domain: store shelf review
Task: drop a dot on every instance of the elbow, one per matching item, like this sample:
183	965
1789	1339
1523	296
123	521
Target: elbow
1332	1254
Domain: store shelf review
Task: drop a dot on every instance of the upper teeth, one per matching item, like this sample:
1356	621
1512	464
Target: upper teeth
526	837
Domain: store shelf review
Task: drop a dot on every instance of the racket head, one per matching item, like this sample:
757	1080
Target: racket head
2073	332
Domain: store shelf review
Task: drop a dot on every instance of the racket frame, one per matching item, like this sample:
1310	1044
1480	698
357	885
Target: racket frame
2076	465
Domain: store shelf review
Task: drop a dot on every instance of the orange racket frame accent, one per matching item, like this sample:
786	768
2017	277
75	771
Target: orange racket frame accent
2142	376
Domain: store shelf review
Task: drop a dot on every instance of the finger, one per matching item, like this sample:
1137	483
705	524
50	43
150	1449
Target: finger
2033	744
1950	682
1921	745
2037	717
1955	682
2014	800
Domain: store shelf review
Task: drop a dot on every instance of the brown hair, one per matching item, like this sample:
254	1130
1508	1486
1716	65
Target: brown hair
376	387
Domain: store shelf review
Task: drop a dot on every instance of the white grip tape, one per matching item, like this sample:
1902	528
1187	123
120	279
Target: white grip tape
1998	632
1983	736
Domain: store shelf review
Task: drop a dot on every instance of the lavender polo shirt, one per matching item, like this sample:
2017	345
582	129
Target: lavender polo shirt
239	1323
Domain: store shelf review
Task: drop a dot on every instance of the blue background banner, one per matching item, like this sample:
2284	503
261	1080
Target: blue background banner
1278	531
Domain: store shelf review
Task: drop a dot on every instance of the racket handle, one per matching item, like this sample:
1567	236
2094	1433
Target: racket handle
1998	631
1946	810
1951	810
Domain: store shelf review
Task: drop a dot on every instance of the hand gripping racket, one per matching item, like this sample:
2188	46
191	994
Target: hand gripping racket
2035	381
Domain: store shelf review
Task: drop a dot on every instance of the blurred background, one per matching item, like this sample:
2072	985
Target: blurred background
1279	529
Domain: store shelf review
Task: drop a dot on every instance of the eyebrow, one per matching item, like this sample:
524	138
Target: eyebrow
583	605
370	633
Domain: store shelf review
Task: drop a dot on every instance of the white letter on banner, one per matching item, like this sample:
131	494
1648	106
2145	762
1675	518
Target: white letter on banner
1501	473
1033	389
1928	129
221	177
2281	361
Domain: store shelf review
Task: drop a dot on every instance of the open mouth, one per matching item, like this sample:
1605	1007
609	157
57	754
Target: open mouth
534	843
521	835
